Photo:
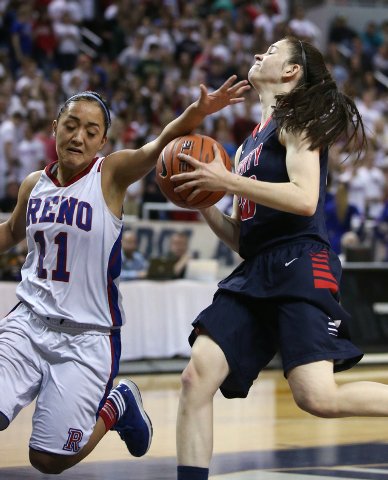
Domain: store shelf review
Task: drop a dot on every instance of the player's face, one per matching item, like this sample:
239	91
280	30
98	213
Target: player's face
271	66
79	134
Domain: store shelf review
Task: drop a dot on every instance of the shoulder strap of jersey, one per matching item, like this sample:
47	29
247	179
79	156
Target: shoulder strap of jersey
99	163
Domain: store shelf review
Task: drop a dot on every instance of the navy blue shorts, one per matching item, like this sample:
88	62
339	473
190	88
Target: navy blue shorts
286	299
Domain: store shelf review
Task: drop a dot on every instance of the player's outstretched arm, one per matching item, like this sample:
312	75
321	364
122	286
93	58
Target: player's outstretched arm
13	230
298	196
128	166
226	228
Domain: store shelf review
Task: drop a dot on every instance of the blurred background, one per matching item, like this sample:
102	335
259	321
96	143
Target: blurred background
147	58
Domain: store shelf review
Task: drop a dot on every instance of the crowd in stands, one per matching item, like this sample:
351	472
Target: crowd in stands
148	57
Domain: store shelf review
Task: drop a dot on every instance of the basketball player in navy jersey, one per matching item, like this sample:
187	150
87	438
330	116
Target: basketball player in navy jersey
61	343
284	295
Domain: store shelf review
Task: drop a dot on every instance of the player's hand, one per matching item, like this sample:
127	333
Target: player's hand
228	94
206	176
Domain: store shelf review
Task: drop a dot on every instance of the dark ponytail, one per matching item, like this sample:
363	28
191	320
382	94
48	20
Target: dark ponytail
316	105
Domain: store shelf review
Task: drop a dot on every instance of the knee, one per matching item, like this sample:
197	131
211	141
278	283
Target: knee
46	463
317	404
190	378
198	382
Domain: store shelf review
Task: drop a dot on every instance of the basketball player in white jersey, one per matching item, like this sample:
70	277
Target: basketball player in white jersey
61	343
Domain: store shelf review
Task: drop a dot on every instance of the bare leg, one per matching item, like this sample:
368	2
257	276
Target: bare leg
206	371
54	463
315	391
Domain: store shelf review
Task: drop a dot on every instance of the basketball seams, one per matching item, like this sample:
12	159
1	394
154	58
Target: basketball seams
200	159
172	165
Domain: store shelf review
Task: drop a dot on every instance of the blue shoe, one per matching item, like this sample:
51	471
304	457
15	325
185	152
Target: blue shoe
134	426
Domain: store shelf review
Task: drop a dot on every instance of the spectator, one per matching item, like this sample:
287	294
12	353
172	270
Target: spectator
133	264
57	8
45	42
380	60
367	186
68	36
30	153
9	140
368	111
265	23
341	33
21	31
179	251
304	28
151	65
45	135
372	39
338	216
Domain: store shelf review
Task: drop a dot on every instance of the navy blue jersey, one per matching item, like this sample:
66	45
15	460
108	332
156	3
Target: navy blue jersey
263	158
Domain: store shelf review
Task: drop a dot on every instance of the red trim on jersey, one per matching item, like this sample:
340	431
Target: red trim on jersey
258	127
84	172
100	165
255	131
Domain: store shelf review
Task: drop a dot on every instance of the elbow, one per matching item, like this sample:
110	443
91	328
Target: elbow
308	208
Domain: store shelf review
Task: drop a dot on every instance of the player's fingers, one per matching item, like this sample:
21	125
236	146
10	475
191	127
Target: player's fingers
243	89
216	151
188	159
203	90
181	177
185	186
238	85
233	101
193	194
228	83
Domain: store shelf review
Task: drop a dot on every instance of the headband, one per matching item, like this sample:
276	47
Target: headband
96	98
304	62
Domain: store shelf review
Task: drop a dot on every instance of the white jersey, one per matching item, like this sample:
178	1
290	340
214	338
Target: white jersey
73	265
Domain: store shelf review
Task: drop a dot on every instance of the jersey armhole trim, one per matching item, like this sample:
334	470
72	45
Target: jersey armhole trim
100	165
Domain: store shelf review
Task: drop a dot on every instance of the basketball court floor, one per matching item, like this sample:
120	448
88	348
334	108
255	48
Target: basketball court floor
263	437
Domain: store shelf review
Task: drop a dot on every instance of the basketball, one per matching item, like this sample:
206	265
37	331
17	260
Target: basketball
199	147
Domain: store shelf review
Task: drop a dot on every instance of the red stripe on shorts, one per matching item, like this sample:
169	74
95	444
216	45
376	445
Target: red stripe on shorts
318	273
318	283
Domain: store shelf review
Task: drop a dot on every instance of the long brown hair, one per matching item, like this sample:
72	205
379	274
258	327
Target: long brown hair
315	105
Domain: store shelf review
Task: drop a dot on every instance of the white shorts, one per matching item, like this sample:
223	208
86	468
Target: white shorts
69	371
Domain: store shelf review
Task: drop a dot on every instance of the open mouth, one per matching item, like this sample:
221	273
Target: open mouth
74	150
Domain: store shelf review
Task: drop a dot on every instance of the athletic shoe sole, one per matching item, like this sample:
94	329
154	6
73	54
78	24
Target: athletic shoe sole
137	395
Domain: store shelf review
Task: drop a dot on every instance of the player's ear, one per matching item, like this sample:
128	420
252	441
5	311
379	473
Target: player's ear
54	128
290	71
103	141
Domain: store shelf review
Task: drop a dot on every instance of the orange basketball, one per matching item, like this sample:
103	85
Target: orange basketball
199	147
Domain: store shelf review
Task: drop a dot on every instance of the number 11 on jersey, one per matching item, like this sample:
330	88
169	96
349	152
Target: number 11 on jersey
60	274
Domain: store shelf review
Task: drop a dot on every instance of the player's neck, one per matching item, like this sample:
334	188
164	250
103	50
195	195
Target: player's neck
266	114
65	175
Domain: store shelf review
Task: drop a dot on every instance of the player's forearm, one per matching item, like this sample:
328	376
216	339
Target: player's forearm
226	228
183	125
144	159
188	121
286	197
